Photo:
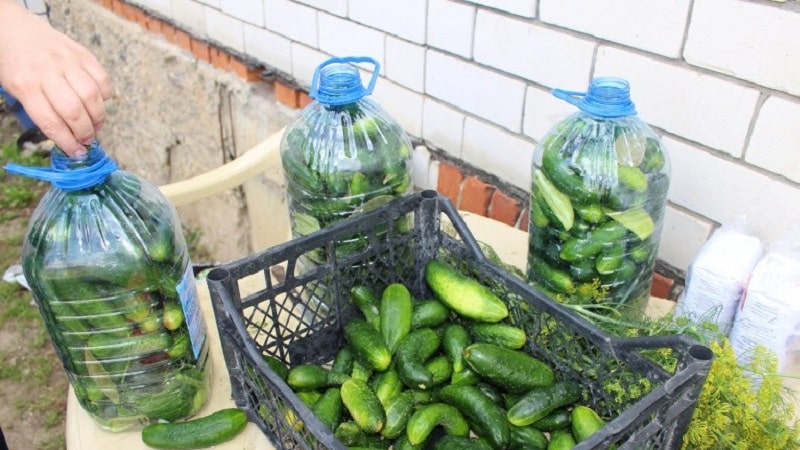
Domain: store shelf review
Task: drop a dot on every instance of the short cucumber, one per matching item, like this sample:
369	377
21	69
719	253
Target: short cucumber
428	417
440	369
497	333
412	353
528	438
513	370
556	420
343	361
312	376
109	346
328	408
488	419
276	365
367	344
429	313
398	410
561	440
396	309
387	384
451	442
585	422
367	302
219	427
363	405
464	295
456	338
538	403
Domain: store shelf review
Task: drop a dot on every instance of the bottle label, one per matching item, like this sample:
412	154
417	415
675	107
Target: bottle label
187	292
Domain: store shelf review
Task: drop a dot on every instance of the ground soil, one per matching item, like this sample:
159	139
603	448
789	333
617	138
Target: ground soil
33	384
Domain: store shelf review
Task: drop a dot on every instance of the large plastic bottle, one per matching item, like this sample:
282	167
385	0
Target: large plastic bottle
108	266
599	189
344	154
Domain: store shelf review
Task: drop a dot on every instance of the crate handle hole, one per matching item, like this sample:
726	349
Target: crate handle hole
701	353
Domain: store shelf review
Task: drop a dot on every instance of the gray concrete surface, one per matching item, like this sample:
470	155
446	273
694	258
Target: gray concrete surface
172	117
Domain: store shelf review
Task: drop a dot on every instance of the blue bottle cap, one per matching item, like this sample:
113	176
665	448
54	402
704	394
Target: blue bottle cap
607	97
336	82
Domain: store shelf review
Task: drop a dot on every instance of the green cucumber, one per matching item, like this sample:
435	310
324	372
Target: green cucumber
428	417
412	353
440	368
387	384
349	433
367	302
538	403
452	442
428	314
585	422
105	346
305	377
328	408
219	427
455	339
636	220
497	333
513	370
632	177
464	295
487	418
343	361
556	420
561	440
558	202
363	405
466	376
173	315
396	309
550	277
367	344
528	438
398	410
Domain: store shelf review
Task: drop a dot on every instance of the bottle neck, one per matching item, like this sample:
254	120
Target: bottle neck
607	97
71	174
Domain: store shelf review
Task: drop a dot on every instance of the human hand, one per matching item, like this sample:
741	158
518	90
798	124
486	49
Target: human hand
60	83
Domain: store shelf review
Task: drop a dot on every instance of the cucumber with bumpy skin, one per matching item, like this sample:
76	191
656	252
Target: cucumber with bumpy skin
464	295
513	370
219	427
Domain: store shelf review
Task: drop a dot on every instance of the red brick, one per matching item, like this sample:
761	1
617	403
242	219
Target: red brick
449	182
153	24
200	50
523	220
504	208
245	71
661	286
129	12
304	99
476	195
183	40
117	6
286	94
220	59
138	16
106	3
169	32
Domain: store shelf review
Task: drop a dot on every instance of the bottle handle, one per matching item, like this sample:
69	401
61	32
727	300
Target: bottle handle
573	97
314	90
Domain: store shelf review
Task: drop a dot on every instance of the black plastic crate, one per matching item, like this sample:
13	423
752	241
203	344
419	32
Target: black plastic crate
296	312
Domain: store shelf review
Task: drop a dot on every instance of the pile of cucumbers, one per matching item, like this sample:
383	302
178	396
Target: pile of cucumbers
444	373
597	206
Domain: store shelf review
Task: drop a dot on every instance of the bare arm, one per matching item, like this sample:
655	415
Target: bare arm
60	83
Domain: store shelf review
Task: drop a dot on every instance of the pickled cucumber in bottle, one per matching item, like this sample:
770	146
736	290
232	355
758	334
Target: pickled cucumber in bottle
599	187
108	267
344	155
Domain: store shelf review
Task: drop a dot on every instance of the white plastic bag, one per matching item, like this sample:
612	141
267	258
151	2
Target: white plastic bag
719	273
769	314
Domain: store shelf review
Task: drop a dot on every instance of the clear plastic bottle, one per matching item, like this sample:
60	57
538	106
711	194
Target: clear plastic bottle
108	266
344	155
599	190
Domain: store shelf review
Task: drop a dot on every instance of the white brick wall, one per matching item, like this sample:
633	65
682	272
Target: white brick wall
405	63
192	17
721	189
404	105
225	29
534	52
402	18
293	20
341	37
707	109
524	8
250	11
450	26
653	25
756	42
718	78
497	151
474	89
268	46
775	143
443	126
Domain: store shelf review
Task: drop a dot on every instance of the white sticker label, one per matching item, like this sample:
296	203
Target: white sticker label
187	292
